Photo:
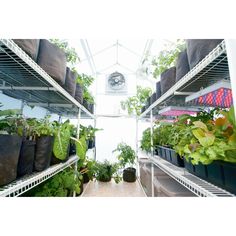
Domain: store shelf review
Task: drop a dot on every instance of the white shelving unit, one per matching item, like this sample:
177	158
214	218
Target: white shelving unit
208	72
26	183
23	79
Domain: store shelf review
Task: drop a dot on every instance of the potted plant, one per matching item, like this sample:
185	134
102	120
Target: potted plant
44	144
61	145
10	145
72	59
27	153
135	103
105	171
126	158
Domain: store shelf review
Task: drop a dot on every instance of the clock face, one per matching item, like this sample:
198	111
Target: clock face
116	81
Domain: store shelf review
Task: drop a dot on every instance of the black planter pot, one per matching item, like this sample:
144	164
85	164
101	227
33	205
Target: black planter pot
91	107
162	152
43	152
70	82
182	66
53	60
85	104
103	179
148	103
176	159
72	149
197	49
158	89
153	98
30	46
168	79
189	166
215	173
200	170
143	109
168	154
85	178
129	175
26	158
10	146
55	160
79	93
229	171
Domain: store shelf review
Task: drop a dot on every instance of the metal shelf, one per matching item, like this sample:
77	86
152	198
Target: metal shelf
26	183
196	185
24	79
212	69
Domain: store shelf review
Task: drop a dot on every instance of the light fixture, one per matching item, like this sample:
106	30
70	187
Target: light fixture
216	95
177	111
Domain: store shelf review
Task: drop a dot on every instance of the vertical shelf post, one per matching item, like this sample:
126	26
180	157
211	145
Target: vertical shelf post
94	149
231	54
152	152
136	146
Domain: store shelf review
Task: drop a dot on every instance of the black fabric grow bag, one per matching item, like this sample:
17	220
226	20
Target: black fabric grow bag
182	65
85	104
26	158
153	98
158	89
30	46
91	107
168	79
148	103
200	171
104	179
215	173
43	152
85	178
189	166
10	146
229	171
197	49
70	82
176	159
79	93
53	60
129	174
72	149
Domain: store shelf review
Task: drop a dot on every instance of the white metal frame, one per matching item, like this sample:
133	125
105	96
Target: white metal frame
193	183
21	54
26	183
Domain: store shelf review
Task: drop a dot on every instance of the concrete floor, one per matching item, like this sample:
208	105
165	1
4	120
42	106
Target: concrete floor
111	189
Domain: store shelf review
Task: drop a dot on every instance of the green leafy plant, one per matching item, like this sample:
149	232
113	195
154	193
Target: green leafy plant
86	81
135	103
44	127
126	154
62	139
71	54
105	171
166	58
88	132
60	185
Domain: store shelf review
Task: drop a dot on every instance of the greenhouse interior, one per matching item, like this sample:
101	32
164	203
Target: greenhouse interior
117	118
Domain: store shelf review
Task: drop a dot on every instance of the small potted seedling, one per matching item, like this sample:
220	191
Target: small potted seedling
126	160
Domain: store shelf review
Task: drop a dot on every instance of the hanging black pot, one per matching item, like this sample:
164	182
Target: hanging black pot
70	82
182	65
168	79
158	89
197	49
129	174
52	59
10	146
26	158
79	93
30	46
43	152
